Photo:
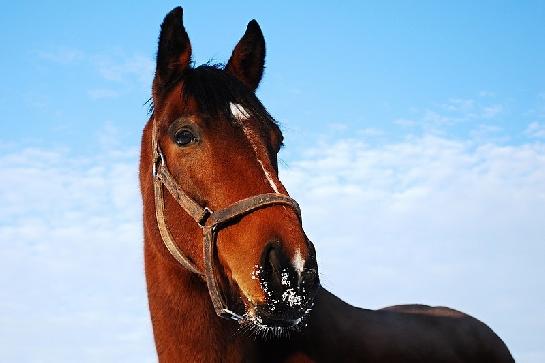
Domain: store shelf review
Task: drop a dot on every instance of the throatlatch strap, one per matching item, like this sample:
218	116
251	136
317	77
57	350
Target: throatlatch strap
198	213
165	234
211	283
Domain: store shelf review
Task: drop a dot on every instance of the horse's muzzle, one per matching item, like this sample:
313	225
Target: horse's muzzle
289	293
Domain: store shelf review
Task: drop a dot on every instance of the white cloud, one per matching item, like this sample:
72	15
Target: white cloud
125	68
486	94
491	111
459	105
72	270
486	133
454	112
62	55
432	220
428	219
102	93
338	126
466	109
116	67
435	119
405	122
536	130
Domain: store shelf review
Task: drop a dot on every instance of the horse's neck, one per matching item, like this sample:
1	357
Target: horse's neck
340	332
334	329
185	325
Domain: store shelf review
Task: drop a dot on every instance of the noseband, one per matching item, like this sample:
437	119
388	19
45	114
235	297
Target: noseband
211	222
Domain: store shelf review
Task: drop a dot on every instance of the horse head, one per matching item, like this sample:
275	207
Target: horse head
214	148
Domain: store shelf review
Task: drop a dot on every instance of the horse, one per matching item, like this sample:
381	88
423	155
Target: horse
231	275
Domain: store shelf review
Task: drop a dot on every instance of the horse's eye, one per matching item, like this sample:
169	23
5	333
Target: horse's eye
185	137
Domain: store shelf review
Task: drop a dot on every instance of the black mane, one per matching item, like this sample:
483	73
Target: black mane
214	89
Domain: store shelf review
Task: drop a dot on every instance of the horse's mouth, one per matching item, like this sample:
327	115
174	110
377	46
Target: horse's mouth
271	327
285	308
274	320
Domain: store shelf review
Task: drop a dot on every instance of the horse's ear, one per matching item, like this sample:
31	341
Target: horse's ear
248	58
174	50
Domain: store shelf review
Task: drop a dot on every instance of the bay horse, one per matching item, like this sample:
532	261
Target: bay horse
231	275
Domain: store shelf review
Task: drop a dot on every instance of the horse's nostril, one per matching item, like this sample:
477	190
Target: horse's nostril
289	287
274	260
274	263
279	274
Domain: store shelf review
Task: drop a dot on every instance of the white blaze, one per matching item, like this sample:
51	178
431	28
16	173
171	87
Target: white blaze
238	111
241	114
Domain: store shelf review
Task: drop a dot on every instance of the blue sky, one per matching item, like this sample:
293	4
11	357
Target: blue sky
423	124
356	64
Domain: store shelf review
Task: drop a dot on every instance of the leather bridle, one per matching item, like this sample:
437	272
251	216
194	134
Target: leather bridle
211	222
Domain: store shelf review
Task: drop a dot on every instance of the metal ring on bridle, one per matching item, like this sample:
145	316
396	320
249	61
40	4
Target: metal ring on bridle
158	159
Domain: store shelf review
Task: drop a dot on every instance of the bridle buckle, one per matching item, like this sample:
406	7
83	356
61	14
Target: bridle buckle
229	314
159	161
207	212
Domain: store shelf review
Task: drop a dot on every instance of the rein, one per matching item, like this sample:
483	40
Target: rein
211	222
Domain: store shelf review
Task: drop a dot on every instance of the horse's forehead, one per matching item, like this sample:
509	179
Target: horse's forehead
177	103
177	107
180	106
236	115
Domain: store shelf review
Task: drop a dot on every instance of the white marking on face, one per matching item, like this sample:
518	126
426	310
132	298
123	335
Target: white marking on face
241	114
269	178
298	262
238	111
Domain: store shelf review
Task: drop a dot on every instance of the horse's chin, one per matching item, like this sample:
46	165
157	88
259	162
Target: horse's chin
276	317
268	326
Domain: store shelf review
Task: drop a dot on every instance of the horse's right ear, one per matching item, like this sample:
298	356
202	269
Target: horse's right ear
174	51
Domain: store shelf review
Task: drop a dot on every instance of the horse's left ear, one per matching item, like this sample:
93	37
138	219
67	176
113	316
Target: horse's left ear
248	58
173	52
